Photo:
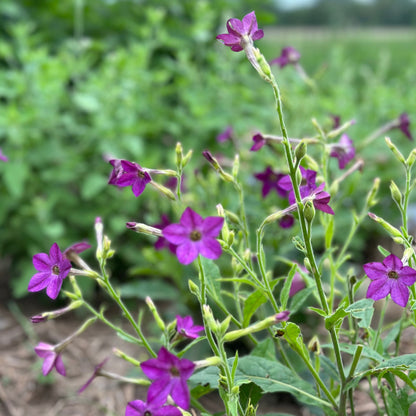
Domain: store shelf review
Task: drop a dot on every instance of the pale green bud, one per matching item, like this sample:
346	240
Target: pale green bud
179	154
163	190
309	211
236	166
193	288
155	313
393	231
300	151
395	193
371	198
411	159
395	151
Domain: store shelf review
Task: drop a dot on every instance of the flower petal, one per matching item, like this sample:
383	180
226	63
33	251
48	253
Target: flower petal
55	284
59	365
41	262
187	252
375	270
407	275
159	390
210	248
176	234
190	219
399	293
379	289
39	281
392	262
136	408
180	393
212	226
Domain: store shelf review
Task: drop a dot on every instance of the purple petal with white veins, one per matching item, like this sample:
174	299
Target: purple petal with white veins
54	287
176	233
407	275
187	252
379	289
41	262
210	248
212	226
39	281
375	270
392	262
399	293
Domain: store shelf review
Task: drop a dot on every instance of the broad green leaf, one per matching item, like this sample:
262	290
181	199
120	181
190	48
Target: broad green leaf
251	304
329	232
397	402
250	393
265	349
299	299
363	311
15	174
212	278
336	318
284	294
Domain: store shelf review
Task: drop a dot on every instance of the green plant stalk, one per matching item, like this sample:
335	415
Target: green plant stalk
110	290
380	324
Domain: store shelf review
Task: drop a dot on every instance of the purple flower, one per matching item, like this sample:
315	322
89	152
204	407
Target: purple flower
286	221
195	235
270	181
297	283
259	142
127	173
51	359
225	135
139	408
308	188
241	32
3	157
162	242
185	326
96	373
169	375
76	248
403	125
53	269
289	55
344	151
392	277
336	121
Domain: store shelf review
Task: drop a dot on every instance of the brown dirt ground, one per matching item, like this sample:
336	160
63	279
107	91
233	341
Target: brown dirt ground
25	392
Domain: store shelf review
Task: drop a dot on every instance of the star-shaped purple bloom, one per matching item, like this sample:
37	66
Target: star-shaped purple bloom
53	269
392	277
225	135
185	327
51	359
169	375
127	173
195	235
259	142
270	180
344	151
289	55
241	32
140	408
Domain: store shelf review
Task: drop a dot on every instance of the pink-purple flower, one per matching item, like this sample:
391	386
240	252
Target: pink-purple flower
76	248
225	135
140	408
185	327
259	142
127	173
52	270
241	32
289	55
344	150
195	235
3	157
297	282
51	359
390	276
270	180
403	125
169	375
162	242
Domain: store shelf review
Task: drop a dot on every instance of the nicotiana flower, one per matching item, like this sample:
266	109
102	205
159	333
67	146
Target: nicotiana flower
287	221
225	135
140	408
344	150
336	121
297	282
270	180
259	142
52	268
127	173
76	248
390	276
195	235
308	189
52	359
185	327
241	32
403	125
3	157
169	374
96	373
162	242
289	55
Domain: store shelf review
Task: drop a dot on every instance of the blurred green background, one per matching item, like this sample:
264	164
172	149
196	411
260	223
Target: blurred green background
82	80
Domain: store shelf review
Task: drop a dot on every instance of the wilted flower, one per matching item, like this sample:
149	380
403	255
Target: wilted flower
270	181
241	32
225	135
403	125
77	248
185	327
336	121
53	269
392	277
140	408
96	373
51	358
169	375
195	235
127	173
344	150
259	142
289	55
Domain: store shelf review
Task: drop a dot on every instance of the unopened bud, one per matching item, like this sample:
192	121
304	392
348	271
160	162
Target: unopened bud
411	159
298	177
395	193
309	211
307	264
144	229
209	318
99	236
393	231
236	166
163	190
193	288
300	151
179	154
395	151
371	197
155	313
314	345
186	158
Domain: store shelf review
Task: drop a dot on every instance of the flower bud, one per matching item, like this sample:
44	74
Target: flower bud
307	264
395	151
163	190
193	288
144	229
393	231
371	197
395	193
314	345
300	151
309	211
99	236
209	318
155	313
411	159
179	155
236	166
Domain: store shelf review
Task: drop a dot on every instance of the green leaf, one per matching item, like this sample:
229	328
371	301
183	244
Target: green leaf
251	304
336	318
15	174
299	299
383	251
265	349
293	336
363	311
92	185
212	278
273	377
397	402
318	311
329	232
284	294
250	393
